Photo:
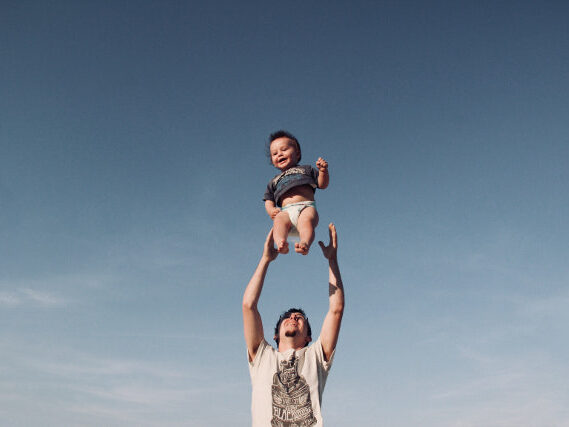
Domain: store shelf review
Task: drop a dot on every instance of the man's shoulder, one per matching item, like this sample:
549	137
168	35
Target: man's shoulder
315	345
264	350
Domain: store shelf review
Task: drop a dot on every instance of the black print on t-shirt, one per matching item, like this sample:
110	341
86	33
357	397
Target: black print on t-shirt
291	397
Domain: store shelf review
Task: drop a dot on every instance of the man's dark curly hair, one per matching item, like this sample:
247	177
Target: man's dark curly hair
281	134
286	315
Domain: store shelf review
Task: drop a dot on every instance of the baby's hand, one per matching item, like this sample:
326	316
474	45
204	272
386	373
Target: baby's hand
322	164
274	213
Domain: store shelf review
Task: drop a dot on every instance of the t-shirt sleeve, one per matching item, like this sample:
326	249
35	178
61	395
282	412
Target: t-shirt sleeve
269	193
314	173
319	351
262	346
322	366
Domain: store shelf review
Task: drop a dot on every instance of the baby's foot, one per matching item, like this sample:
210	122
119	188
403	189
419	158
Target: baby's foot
282	247
301	248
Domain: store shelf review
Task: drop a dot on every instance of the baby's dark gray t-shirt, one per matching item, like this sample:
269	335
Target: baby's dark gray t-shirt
290	178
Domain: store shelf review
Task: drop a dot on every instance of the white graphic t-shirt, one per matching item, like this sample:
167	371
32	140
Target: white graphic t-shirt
288	386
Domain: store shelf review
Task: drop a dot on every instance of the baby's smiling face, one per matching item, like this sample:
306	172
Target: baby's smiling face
284	154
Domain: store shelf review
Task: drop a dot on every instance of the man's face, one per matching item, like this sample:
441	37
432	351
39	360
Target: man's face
294	326
283	153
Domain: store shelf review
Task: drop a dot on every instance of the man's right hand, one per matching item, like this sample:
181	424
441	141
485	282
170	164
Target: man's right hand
269	250
252	323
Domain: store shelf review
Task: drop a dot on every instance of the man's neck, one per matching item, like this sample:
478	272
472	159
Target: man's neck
290	344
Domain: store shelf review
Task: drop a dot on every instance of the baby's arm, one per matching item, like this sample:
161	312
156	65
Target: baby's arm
323	177
271	209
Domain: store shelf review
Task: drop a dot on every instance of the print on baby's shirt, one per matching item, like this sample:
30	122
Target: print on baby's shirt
292	406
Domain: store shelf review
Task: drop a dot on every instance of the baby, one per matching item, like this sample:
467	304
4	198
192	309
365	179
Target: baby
293	190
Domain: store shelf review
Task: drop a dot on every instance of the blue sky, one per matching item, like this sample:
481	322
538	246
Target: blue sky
132	169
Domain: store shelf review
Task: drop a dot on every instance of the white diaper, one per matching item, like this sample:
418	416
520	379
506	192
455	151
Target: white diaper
294	210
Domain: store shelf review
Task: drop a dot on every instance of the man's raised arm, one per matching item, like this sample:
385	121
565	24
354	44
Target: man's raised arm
252	324
333	319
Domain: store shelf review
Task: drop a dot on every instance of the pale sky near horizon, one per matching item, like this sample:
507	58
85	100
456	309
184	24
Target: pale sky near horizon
132	168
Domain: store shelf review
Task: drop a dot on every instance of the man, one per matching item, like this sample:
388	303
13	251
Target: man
288	383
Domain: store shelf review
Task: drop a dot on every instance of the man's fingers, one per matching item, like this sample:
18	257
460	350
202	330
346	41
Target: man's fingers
330	233
333	235
270	239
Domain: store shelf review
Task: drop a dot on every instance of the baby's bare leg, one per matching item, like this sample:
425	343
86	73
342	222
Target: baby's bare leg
281	227
307	222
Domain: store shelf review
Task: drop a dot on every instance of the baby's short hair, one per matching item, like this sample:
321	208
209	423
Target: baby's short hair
282	134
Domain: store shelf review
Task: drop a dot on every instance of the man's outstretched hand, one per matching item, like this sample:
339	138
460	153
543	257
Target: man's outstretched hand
269	251
330	251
